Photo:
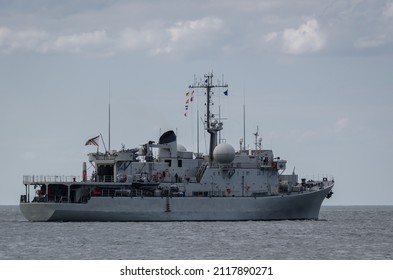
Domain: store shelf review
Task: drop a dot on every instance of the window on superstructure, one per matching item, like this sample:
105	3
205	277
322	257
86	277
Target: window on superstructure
180	163
200	193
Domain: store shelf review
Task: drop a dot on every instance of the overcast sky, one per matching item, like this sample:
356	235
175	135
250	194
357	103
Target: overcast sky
316	77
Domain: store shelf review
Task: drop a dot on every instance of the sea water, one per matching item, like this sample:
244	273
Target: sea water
341	233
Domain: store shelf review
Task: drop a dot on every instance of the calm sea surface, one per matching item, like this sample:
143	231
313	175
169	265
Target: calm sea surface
353	232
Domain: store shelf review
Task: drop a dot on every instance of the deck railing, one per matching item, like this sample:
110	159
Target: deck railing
41	179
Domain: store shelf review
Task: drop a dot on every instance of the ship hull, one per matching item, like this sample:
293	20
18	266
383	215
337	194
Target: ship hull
285	207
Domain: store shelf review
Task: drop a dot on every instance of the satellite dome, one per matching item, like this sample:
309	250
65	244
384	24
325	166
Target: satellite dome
224	153
181	148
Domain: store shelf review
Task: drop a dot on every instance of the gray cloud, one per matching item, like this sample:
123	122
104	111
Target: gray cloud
229	26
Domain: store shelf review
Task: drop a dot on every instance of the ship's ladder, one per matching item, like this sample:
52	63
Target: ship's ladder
201	171
168	204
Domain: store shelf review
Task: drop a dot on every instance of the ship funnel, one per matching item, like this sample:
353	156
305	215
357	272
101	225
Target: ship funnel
167	137
168	145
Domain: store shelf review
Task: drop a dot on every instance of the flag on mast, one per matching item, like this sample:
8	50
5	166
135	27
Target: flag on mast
93	141
188	101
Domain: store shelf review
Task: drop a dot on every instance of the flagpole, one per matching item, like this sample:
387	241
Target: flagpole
109	142
102	138
244	116
198	132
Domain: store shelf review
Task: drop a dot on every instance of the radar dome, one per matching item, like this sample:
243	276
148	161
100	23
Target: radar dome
181	148
224	153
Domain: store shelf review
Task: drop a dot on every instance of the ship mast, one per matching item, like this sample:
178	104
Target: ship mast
213	126
256	134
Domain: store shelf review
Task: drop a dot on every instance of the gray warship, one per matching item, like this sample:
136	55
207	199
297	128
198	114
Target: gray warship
164	182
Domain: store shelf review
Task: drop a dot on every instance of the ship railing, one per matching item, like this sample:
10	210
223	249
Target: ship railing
318	177
105	178
42	179
316	182
101	156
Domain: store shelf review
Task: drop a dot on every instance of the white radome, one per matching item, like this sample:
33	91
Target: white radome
224	153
